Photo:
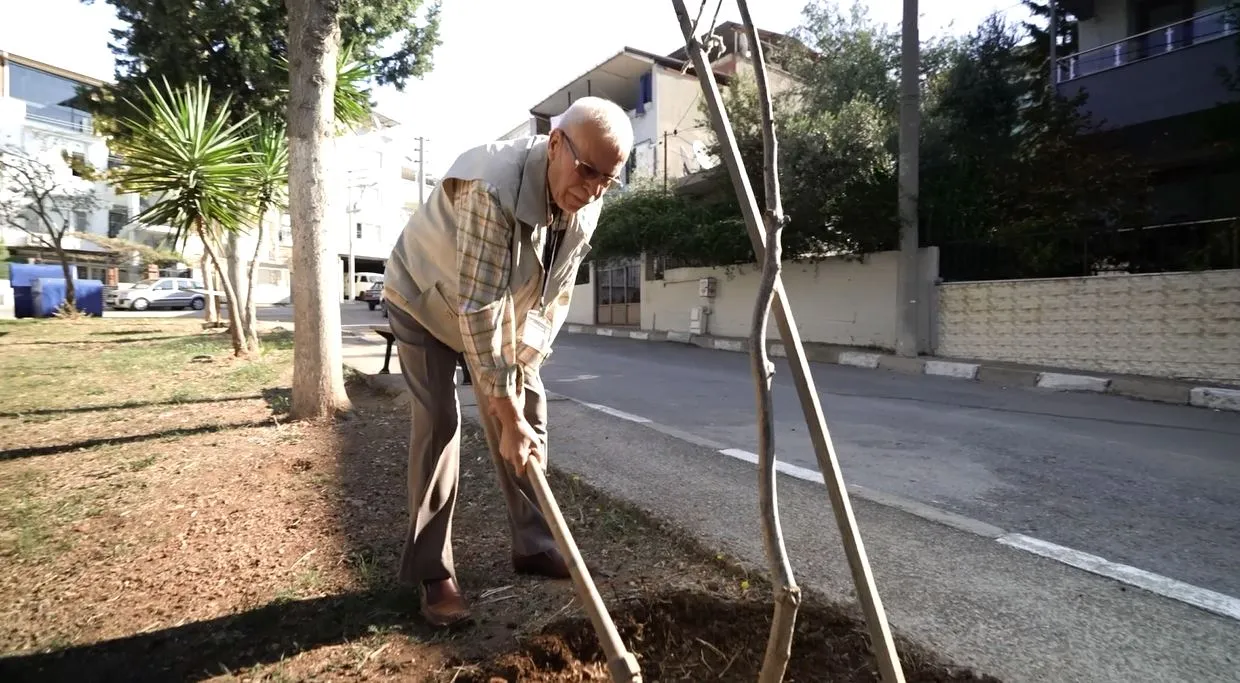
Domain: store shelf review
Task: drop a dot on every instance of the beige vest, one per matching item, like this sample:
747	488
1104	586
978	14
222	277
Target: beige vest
422	275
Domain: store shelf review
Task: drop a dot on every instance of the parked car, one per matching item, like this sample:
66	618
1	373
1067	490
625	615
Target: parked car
373	296
165	292
361	283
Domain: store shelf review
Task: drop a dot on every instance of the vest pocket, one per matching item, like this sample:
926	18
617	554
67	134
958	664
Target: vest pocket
434	312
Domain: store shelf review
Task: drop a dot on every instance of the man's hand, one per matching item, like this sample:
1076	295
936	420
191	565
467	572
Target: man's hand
518	442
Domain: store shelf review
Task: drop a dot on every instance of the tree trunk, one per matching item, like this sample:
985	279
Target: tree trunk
240	348
210	314
67	269
318	376
251	308
232	254
881	641
787	593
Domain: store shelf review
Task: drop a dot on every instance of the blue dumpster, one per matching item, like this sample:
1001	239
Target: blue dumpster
22	277
49	295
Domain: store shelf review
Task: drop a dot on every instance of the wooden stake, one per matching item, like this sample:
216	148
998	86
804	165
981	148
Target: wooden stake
858	563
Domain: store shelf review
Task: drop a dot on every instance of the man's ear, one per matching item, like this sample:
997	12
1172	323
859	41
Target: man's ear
553	141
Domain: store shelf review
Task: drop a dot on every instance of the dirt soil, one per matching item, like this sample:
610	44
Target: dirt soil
160	520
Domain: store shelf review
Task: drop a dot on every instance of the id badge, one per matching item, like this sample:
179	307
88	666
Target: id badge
537	333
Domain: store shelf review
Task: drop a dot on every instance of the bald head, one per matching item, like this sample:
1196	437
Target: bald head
587	151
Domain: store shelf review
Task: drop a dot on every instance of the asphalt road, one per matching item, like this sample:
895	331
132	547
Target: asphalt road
1150	485
353	315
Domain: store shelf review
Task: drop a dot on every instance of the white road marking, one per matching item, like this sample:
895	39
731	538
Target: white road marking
577	378
1202	598
1208	600
618	413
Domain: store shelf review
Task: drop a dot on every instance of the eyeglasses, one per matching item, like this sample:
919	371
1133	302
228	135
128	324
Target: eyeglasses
586	171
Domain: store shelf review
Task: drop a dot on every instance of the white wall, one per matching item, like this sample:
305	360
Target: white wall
6	300
581	310
836	301
1181	325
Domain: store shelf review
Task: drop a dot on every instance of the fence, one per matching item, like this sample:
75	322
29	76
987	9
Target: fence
1166	248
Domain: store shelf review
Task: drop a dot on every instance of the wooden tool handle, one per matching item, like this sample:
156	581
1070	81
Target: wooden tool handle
621	663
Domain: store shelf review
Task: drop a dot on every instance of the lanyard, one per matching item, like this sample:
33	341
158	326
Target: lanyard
550	248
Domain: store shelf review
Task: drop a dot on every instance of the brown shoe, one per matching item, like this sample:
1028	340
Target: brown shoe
442	603
549	563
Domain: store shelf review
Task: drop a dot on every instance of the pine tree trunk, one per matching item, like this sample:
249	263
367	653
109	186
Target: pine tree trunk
318	376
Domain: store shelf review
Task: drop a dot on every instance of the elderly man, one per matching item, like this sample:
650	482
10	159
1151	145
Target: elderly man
486	268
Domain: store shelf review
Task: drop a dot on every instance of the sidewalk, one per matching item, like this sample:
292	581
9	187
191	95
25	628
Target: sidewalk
955	589
1198	394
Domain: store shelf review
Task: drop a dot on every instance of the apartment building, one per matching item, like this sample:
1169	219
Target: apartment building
43	115
1152	72
381	185
671	134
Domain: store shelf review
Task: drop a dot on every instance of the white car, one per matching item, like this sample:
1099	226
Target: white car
165	292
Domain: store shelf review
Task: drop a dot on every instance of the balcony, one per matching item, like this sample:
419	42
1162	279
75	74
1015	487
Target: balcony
1159	74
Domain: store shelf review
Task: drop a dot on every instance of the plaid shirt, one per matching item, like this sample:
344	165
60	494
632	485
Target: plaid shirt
488	314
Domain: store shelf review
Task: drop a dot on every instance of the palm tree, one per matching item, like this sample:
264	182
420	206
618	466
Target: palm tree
186	152
268	190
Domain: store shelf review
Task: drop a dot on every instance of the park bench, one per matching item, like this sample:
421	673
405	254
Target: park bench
390	338
387	335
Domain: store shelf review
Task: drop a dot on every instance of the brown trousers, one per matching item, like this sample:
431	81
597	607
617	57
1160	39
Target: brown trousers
429	367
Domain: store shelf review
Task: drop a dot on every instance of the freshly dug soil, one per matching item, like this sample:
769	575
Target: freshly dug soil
185	534
693	635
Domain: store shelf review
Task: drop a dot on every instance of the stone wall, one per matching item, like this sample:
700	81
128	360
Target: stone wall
1178	325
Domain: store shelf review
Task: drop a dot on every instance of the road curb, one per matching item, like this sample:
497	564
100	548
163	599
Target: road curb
1155	389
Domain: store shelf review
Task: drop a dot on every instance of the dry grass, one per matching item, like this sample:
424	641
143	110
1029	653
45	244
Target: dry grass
159	520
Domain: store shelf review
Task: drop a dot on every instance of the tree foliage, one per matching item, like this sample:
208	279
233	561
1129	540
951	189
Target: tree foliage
187	151
236	47
1003	157
675	226
42	196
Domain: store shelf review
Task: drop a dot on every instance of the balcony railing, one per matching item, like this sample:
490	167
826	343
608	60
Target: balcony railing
70	120
1204	27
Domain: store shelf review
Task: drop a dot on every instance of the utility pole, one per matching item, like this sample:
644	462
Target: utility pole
1054	38
665	134
908	307
421	175
351	264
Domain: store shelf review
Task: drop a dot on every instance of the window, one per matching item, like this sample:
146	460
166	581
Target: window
583	274
79	221
50	98
164	284
77	163
117	218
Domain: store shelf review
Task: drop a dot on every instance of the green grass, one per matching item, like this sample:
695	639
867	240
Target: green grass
58	364
29	518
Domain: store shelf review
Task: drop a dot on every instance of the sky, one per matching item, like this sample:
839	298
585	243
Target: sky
498	58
